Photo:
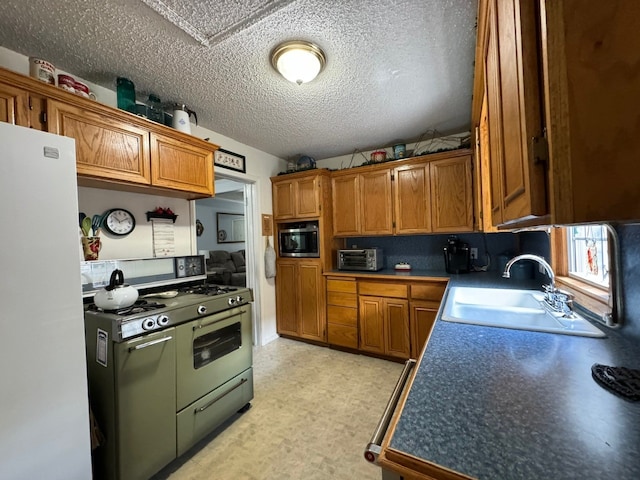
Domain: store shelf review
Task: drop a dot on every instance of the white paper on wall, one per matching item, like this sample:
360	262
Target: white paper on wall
164	244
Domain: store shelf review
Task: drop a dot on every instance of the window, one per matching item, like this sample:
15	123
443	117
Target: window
588	254
583	258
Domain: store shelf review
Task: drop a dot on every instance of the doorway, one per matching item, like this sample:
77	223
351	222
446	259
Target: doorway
237	197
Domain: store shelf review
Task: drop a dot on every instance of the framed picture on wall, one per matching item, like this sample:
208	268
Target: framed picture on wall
232	161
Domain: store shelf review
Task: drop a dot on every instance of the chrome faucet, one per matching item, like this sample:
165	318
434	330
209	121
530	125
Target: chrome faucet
558	300
528	256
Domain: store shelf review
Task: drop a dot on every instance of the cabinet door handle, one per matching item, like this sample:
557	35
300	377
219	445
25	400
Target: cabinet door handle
148	344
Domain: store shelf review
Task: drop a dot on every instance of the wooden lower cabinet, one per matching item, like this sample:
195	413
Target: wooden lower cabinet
342	312
387	318
300	299
423	316
384	319
425	302
384	326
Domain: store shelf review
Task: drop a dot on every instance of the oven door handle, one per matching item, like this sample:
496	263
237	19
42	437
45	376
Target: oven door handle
148	344
227	316
204	407
374	447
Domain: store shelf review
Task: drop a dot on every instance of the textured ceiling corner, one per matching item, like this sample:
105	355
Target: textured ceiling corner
175	18
211	22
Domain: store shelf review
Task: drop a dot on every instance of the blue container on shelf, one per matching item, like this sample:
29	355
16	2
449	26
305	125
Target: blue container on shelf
126	93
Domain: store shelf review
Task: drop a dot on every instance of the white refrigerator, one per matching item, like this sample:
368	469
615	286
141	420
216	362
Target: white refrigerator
44	406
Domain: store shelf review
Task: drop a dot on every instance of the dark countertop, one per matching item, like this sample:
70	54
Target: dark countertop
391	273
496	403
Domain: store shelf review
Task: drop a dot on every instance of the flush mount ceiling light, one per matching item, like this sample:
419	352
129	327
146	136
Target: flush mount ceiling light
298	61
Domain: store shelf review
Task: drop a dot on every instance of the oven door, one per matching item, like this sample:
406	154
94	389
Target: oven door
210	351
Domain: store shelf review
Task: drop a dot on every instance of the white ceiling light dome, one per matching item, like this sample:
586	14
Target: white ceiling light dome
298	61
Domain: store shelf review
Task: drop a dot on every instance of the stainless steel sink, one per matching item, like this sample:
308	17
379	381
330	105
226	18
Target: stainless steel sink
508	308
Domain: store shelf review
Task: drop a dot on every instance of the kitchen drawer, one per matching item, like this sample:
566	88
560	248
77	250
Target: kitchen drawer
383	289
428	291
343	335
342	315
342	299
200	418
347	286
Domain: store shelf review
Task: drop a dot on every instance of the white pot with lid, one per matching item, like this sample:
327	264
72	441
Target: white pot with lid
117	294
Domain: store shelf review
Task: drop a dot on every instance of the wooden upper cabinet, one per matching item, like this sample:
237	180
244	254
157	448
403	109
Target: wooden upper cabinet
22	107
13	105
181	166
105	148
295	198
114	149
512	82
283	199
451	194
412	199
362	203
376	203
308	197
345	191
431	193
556	70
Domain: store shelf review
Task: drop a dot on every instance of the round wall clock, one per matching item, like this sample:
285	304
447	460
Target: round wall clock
119	221
199	228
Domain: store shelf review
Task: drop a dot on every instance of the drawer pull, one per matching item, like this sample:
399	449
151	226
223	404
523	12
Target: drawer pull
204	407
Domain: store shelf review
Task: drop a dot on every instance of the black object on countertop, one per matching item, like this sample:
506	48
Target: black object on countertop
624	382
457	258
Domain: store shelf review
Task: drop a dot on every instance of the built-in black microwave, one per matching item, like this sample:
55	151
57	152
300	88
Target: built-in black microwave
298	239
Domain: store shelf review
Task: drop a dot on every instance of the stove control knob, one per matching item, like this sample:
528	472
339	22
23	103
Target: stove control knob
163	320
231	302
239	299
202	309
148	324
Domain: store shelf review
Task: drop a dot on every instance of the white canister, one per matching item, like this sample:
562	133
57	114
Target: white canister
181	121
181	114
42	70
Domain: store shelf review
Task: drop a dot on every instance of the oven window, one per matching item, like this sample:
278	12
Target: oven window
216	344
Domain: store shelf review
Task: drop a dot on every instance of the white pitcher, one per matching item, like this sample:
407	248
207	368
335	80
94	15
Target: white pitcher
181	116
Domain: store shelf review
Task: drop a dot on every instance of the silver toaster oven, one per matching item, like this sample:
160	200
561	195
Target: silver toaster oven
368	259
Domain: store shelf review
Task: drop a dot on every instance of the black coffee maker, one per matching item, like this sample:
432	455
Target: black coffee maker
457	256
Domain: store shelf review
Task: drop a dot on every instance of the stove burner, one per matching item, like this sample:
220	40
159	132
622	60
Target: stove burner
138	307
208	289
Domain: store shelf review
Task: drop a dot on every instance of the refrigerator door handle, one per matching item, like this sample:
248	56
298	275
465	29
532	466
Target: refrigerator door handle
374	447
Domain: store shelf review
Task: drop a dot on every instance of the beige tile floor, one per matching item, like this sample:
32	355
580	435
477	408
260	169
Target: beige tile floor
313	413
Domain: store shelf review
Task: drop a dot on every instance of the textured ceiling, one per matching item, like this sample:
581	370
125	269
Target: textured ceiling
395	68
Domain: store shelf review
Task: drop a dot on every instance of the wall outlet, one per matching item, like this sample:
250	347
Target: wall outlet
474	254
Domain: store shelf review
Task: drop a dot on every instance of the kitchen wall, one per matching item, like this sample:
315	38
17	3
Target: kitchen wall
429	145
425	252
206	211
629	236
139	243
260	166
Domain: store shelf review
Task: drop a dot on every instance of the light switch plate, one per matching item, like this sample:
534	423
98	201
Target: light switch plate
474	253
